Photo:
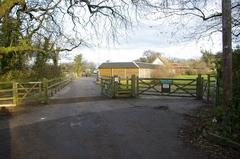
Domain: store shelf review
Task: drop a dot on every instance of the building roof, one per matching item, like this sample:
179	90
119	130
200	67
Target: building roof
118	65
148	65
129	65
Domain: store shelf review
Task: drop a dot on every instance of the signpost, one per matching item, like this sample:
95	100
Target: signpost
166	86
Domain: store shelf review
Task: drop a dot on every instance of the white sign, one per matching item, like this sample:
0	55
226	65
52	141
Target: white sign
165	86
116	79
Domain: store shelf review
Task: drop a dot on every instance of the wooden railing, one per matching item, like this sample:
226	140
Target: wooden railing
8	94
14	93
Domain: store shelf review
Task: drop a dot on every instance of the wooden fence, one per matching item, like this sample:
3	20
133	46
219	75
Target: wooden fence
200	88
210	89
14	93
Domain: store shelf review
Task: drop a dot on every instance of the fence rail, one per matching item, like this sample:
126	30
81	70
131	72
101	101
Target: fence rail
200	88
14	93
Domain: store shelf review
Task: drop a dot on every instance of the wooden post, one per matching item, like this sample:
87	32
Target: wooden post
115	81
208	87
102	86
127	82
15	93
45	90
113	88
199	88
40	87
133	85
217	94
137	90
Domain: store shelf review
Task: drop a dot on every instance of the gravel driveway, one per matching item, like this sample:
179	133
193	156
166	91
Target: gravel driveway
142	128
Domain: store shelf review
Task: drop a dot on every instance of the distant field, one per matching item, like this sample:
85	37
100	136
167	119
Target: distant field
190	76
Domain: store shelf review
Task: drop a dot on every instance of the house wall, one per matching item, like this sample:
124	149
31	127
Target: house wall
162	72
105	72
132	71
145	73
121	72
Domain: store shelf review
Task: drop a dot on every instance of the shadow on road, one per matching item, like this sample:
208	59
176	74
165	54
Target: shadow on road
5	137
77	100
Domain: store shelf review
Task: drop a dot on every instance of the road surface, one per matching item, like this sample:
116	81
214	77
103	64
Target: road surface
143	128
84	87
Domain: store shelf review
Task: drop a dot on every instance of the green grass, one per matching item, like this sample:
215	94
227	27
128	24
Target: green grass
191	76
186	76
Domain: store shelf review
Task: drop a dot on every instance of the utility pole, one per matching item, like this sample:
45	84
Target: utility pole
227	52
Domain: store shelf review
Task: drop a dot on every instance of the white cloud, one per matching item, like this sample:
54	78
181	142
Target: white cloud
148	35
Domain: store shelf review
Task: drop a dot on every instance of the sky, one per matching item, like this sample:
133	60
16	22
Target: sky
147	35
142	38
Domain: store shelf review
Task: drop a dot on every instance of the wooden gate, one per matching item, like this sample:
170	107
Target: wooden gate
28	90
210	89
107	86
167	87
200	88
117	87
13	93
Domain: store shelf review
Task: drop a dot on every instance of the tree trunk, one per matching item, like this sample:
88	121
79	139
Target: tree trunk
227	52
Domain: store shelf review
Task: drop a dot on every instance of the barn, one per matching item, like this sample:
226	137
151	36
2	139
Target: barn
127	69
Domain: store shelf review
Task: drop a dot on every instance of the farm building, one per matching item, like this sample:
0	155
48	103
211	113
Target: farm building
140	69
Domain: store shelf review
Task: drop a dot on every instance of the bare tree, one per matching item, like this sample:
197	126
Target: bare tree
202	17
40	19
215	19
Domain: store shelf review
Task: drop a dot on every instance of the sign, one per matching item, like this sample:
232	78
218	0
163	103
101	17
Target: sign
165	85
116	79
166	81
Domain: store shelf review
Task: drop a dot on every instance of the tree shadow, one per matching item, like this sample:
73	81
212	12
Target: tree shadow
77	100
5	136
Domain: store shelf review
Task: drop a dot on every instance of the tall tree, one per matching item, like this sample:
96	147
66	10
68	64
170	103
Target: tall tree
225	20
78	63
227	51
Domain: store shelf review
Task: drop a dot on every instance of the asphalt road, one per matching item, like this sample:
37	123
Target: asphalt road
144	128
84	87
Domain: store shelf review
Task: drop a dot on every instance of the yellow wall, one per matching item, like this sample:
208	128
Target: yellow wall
105	72
145	73
121	72
132	71
142	73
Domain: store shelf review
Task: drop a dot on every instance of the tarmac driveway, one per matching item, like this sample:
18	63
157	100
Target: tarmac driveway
143	128
84	87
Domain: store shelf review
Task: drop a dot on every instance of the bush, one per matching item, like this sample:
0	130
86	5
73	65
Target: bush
226	122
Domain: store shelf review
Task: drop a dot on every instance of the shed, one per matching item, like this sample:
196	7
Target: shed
127	69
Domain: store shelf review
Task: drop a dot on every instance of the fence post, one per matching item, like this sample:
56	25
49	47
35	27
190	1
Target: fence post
199	90
45	90
102	86
137	90
127	82
115	81
217	94
208	87
15	93
133	86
